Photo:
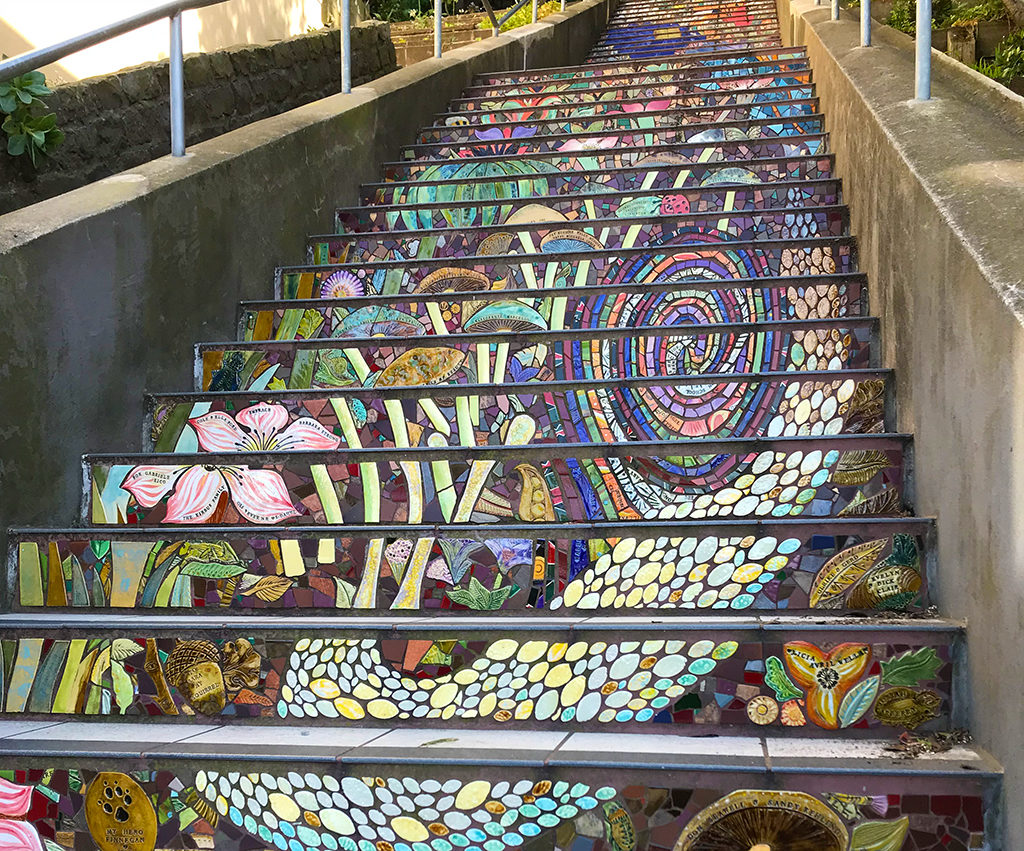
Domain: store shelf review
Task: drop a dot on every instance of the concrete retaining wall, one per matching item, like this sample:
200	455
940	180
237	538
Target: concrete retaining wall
121	120
104	290
936	192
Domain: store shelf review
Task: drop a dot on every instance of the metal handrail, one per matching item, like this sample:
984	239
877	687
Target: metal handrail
922	42
172	10
45	55
497	22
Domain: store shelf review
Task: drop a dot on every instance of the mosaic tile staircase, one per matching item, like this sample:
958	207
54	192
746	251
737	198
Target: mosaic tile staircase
460	425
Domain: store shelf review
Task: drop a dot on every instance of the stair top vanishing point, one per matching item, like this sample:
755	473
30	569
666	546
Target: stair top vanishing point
554	502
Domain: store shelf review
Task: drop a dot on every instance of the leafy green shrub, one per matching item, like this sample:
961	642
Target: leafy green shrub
28	133
981	10
523	16
421	11
1008	61
945	13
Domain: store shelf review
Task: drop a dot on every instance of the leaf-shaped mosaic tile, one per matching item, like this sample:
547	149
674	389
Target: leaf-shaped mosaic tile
269	588
858	700
843	569
211	569
860	467
885	502
913	667
779	682
904	551
880	835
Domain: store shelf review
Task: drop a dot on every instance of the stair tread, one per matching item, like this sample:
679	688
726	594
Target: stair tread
533	451
456	622
616	528
610	222
504	747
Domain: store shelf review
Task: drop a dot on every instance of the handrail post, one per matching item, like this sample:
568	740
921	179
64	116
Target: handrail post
495	26
835	10
533	18
865	23
177	83
437	29
923	59
346	46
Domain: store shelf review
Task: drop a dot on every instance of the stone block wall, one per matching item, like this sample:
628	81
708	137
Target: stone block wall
121	120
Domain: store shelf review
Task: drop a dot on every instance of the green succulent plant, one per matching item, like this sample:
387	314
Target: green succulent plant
29	133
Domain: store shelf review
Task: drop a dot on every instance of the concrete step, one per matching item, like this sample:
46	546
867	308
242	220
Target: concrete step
702	16
489	182
645	52
734	406
638	86
425	314
670	30
653	100
713	146
741	68
593	204
652	227
364	789
690	257
733	565
726	675
609	353
693	15
687	256
643	39
522	480
787	118
711	62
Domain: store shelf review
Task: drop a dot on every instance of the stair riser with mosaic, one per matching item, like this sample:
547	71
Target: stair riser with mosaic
724	63
785	681
708	256
500	111
534	125
527	357
581	100
589	205
625	231
798	117
616	82
727	145
487	181
776	566
366	807
565	412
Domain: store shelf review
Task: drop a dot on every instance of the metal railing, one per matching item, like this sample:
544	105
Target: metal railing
172	11
922	42
45	55
497	22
